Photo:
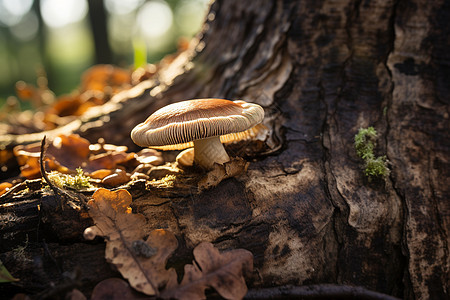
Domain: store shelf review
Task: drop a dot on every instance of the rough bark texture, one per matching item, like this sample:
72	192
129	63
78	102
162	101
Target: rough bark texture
321	70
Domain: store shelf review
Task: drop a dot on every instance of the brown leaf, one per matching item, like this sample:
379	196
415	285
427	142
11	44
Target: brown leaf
28	158
141	262
68	152
73	144
64	154
107	160
4	187
234	167
100	174
67	105
114	289
101	77
223	272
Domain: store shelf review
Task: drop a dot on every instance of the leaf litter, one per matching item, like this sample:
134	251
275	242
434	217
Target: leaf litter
143	261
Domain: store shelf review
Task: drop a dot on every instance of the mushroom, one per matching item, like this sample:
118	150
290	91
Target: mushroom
203	124
185	158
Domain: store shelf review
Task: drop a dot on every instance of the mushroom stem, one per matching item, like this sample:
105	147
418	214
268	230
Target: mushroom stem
209	151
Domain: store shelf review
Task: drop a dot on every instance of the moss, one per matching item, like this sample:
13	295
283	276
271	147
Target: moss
377	167
365	142
77	182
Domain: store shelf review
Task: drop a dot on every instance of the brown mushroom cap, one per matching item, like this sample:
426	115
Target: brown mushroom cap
176	126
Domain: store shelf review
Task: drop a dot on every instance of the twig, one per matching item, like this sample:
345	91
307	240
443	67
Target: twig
58	192
44	174
18	187
319	291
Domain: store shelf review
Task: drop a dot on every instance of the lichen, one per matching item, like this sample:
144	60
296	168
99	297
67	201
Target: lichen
77	182
365	143
19	252
165	182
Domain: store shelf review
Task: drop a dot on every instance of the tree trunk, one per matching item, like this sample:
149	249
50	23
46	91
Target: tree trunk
98	22
305	209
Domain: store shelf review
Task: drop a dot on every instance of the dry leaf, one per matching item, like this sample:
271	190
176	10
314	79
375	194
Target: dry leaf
102	77
229	169
28	158
100	174
67	105
64	154
107	160
68	152
114	289
74	145
141	262
223	272
4	187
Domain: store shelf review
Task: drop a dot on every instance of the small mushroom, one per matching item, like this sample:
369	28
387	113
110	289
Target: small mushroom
185	158
203	124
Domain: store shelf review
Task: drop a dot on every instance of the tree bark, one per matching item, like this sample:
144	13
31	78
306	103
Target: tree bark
305	209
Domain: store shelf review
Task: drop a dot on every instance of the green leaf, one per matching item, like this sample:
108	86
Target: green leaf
5	276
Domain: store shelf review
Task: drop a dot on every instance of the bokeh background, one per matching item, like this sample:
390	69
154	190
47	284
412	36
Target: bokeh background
59	39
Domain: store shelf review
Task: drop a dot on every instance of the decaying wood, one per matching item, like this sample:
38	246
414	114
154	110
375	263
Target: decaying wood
321	70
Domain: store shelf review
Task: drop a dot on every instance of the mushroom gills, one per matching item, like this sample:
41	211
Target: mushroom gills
209	151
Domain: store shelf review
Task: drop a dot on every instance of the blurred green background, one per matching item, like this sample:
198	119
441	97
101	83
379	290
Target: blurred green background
62	38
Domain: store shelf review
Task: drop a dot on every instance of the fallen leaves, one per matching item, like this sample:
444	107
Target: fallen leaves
143	261
125	247
223	272
112	166
67	153
98	85
101	77
4	187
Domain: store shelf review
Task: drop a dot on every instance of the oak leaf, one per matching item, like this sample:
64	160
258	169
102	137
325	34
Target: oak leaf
223	272
141	262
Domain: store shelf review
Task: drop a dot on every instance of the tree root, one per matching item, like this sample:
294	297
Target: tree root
318	291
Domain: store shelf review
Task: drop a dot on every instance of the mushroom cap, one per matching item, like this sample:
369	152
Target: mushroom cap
176	126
